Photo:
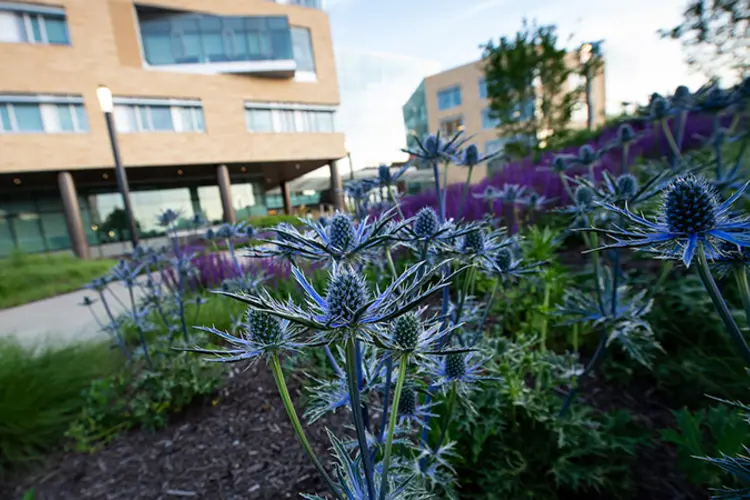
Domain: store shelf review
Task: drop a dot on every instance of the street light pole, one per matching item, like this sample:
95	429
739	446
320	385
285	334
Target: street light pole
107	105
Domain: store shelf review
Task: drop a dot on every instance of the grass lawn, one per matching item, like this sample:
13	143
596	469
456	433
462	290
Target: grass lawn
29	277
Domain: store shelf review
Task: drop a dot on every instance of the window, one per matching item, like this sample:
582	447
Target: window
26	23
483	89
203	39
302	47
449	98
489	121
287	118
451	126
158	115
40	114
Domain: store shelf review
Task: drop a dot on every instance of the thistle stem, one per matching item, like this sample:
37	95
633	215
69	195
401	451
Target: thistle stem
386	394
391	265
351	378
566	186
487	309
625	151
392	425
670	139
278	376
447	417
465	193
740	274
721	305
598	355
141	335
115	327
395	202
441	204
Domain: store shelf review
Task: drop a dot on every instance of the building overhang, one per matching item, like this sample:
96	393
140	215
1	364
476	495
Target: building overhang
281	68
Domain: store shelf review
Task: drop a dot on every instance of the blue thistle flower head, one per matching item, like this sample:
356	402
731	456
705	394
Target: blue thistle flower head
584	196
560	164
426	223
473	242
384	174
689	206
586	155
627	186
504	259
346	293
406	331
658	107
198	220
625	134
407	405
471	156
262	327
210	234
455	366
224	232
341	232
682	98
714	99
167	217
250	231
432	145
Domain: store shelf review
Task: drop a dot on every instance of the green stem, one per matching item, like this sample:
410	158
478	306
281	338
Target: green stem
575	337
466	192
469	278
545	306
392	425
721	305
359	426
390	262
670	139
740	275
594	243
447	417
567	188
278	376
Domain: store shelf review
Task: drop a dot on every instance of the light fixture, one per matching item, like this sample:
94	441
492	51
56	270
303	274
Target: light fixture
16	181
268	179
179	172
111	234
297	166
105	98
105	176
94	227
243	169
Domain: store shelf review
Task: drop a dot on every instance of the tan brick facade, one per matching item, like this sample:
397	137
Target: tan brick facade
105	49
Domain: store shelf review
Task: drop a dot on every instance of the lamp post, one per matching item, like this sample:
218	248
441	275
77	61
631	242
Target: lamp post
585	54
106	103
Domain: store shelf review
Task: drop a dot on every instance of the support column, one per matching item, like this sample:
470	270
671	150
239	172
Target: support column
73	215
225	190
286	197
337	190
195	200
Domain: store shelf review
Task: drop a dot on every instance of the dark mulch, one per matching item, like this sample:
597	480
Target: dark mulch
243	447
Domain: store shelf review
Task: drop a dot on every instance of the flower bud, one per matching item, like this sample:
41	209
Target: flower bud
471	155
584	196
504	259
473	242
625	134
384	174
627	186
341	232
560	164
347	292
262	327
455	366
658	107
407	404
586	155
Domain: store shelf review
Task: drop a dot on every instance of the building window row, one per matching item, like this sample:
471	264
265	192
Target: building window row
50	114
158	116
449	98
269	118
451	126
26	23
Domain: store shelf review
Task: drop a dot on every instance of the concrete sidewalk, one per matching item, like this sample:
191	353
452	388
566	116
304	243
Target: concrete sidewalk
61	319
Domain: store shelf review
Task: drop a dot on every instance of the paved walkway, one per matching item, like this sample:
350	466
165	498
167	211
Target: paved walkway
60	320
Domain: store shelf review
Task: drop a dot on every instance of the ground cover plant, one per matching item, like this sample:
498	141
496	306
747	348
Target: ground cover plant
52	274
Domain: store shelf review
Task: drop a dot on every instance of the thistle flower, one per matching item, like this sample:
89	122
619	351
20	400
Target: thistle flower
168	217
339	241
535	201
509	193
471	157
505	265
458	370
690	215
435	149
349	306
123	271
682	98
713	99
426	223
230	230
261	334
408	335
658	108
411	412
626	186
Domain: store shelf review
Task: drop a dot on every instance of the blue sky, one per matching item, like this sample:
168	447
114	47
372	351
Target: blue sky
450	32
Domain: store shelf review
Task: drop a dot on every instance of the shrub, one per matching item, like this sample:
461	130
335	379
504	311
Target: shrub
41	394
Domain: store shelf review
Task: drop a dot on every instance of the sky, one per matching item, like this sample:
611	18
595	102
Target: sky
440	34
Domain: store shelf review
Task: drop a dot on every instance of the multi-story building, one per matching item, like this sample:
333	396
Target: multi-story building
214	103
456	100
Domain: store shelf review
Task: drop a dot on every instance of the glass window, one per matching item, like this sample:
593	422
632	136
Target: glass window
28	117
449	98
81	118
286	119
12	28
483	89
36	29
125	118
57	30
55	231
7	242
491	147
5	124
211	208
488	121
65	117
161	118
247	200
259	120
303	51
451	126
28	231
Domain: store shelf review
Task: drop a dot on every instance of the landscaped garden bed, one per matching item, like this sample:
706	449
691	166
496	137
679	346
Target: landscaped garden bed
519	350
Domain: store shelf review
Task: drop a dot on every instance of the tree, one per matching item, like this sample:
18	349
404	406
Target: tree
527	80
117	223
716	36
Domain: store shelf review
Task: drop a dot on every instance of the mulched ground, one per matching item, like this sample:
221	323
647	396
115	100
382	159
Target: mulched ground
241	448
